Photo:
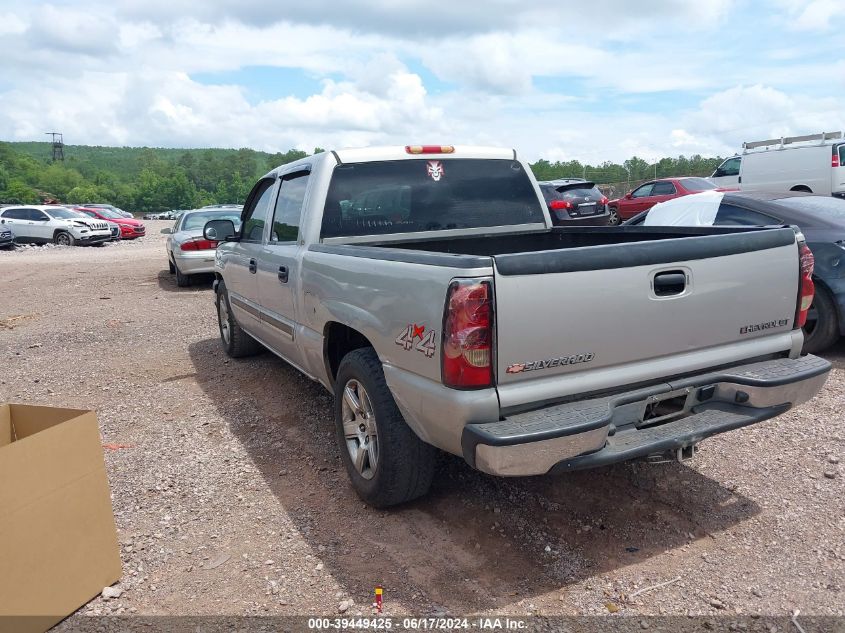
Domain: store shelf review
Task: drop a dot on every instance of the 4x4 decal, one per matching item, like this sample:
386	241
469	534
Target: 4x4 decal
427	340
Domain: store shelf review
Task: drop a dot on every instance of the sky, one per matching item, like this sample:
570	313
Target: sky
595	81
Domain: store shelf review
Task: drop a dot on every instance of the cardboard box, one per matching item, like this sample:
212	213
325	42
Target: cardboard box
58	542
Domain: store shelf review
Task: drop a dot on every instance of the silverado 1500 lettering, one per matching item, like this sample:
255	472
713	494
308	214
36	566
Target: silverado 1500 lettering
419	284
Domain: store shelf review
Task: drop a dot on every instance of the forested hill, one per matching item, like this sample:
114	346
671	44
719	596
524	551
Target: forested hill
144	179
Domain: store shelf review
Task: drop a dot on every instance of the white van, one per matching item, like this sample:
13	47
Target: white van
814	163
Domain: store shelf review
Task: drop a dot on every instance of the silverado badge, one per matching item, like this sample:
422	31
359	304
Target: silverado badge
517	368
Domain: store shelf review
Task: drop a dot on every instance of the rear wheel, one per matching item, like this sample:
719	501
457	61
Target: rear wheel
182	280
63	238
236	342
386	462
822	327
613	218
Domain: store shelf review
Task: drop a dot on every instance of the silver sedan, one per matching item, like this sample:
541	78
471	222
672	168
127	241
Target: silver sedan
188	252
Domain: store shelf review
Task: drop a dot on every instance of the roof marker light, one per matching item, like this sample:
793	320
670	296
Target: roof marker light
430	149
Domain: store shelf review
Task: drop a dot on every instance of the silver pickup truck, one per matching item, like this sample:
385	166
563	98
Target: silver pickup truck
426	287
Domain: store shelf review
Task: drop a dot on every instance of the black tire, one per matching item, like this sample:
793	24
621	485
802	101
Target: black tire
63	238
824	331
236	342
613	218
171	267
405	464
183	281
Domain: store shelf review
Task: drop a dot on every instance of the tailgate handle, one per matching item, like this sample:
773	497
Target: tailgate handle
671	282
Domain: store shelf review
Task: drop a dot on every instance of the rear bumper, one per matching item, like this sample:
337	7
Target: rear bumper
562	218
677	415
196	263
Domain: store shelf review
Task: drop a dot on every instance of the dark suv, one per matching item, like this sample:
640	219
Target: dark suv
575	201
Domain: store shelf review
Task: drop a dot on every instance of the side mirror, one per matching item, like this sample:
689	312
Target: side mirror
166	231
219	230
628	196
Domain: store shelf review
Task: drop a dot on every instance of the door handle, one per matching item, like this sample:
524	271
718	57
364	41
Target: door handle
253	266
283	274
669	283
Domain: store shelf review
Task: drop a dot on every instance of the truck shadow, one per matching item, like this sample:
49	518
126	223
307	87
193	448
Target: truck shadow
475	542
167	281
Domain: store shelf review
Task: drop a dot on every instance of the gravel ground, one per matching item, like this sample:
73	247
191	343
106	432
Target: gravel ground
230	497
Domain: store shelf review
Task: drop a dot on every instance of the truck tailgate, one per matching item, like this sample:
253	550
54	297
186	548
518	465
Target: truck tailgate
571	311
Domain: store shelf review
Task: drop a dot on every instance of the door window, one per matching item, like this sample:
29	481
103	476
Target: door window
842	155
16	214
730	167
288	211
643	192
663	189
729	215
257	211
36	216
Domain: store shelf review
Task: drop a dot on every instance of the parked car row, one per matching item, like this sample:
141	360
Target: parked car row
175	214
820	218
89	225
127	228
165	215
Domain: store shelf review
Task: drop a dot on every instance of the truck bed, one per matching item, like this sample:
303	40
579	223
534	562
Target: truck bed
553	250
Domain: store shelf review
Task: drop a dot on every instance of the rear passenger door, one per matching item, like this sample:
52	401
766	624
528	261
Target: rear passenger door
662	191
240	264
278	266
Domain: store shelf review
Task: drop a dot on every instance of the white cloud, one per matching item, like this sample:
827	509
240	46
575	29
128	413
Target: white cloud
815	15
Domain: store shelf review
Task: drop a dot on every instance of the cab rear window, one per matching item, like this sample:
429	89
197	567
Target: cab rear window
405	196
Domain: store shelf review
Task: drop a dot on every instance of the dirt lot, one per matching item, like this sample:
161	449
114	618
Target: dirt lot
230	496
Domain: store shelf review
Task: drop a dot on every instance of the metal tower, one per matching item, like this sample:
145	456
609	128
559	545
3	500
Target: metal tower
58	146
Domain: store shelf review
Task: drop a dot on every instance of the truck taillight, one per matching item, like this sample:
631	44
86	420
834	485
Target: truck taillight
468	335
198	244
808	288
835	160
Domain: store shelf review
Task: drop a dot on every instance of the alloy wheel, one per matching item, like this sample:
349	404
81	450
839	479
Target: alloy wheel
359	429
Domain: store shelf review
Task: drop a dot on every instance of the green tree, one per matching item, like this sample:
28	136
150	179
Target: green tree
18	192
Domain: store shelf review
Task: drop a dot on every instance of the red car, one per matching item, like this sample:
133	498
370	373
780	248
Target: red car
649	194
129	227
